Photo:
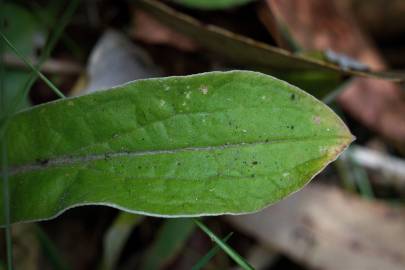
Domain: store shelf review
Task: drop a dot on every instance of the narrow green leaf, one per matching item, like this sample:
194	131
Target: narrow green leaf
4	158
34	69
232	253
246	51
51	42
211	253
169	241
212	4
5	207
50	251
116	238
206	144
18	24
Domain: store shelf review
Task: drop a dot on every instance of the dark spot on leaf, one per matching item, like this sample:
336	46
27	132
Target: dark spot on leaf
178	163
267	140
252	175
292	96
43	161
254	162
139	167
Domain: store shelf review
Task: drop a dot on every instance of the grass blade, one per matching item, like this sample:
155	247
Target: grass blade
66	17
213	251
116	237
225	247
34	69
4	170
6	204
170	240
50	250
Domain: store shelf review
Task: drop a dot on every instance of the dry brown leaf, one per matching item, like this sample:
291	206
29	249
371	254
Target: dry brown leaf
326	228
149	30
321	25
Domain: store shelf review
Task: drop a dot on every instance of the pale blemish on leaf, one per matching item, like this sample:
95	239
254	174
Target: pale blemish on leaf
204	89
317	119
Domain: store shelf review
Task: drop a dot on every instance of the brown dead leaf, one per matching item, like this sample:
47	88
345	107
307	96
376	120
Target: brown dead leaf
326	228
149	30
321	25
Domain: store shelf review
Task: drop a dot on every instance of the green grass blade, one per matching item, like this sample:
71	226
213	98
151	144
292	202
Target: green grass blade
50	251
6	203
61	25
169	241
361	178
4	167
116	237
225	247
331	97
54	37
211	253
2	72
34	69
345	176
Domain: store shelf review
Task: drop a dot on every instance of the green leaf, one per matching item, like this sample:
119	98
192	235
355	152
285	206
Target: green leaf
245	51
212	4
205	144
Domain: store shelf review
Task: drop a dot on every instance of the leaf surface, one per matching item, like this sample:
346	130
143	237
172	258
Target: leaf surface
206	144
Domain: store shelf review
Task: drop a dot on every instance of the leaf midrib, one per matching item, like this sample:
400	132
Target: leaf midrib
72	160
